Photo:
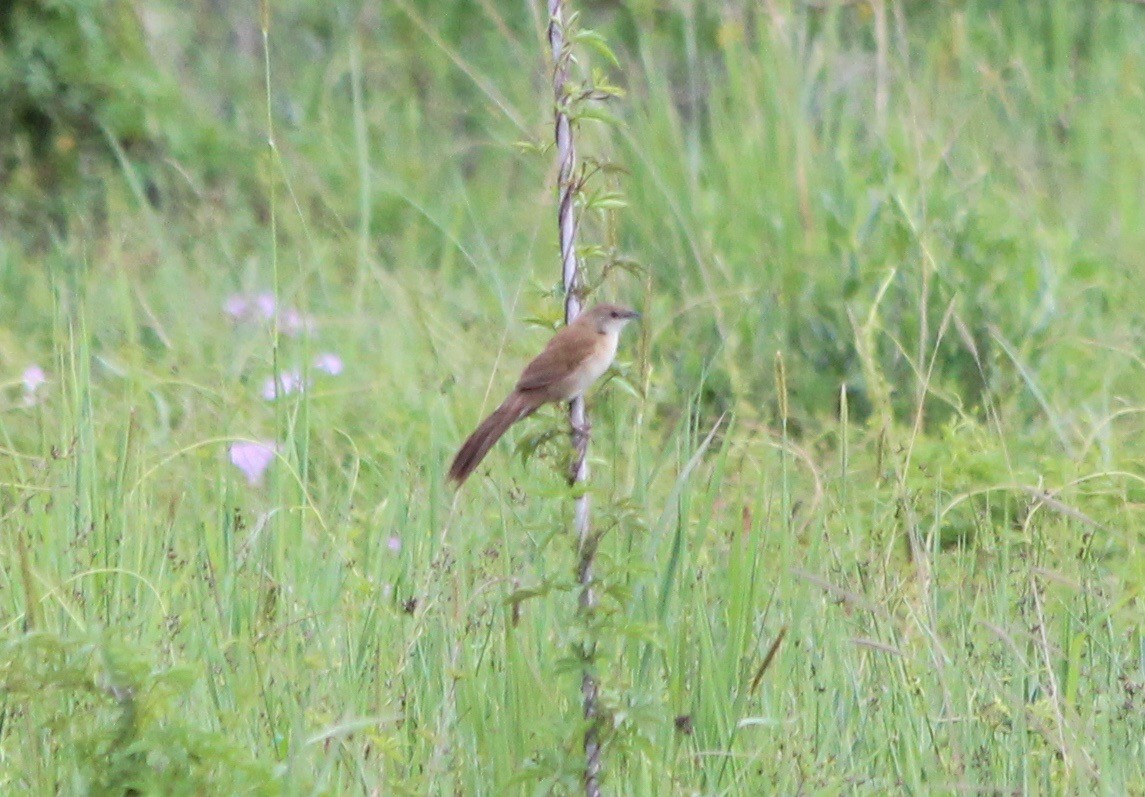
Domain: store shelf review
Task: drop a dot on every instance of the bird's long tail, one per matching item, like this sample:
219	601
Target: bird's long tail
473	450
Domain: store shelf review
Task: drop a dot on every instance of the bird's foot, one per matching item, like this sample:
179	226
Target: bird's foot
580	434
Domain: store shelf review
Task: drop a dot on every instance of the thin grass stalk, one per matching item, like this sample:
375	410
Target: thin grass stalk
578	420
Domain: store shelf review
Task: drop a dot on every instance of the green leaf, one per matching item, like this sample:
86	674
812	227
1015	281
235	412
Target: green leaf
606	200
594	41
594	112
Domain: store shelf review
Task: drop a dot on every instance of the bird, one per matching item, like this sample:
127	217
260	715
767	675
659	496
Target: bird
577	356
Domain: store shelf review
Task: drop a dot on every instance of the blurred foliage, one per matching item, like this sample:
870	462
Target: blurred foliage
113	714
789	187
964	261
766	189
79	91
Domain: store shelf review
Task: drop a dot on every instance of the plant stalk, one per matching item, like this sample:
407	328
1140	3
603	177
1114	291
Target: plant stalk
578	420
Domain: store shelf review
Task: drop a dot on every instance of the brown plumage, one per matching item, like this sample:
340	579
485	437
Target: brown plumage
575	358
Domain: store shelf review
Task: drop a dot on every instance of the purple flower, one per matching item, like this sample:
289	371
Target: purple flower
330	363
237	306
394	543
265	305
253	459
288	382
294	323
33	379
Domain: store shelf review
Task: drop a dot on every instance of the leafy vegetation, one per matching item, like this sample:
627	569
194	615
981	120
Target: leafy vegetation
870	477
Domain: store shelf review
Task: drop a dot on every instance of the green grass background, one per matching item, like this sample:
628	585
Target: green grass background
886	402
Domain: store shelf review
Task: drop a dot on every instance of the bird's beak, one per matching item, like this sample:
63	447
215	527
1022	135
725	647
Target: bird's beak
632	315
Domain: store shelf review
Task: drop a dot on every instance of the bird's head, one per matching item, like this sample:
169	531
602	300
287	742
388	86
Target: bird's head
610	317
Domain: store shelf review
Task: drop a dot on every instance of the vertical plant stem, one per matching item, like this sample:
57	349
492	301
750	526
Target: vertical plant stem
882	44
578	421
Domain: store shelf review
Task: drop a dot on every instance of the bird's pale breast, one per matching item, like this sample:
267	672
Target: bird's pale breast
591	368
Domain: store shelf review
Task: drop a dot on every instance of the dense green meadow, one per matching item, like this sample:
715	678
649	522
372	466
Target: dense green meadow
870	475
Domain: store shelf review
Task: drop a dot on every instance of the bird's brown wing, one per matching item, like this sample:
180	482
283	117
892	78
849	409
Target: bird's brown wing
568	349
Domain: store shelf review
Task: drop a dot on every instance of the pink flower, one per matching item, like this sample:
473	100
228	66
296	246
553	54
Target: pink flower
330	363
294	323
288	382
237	306
33	379
265	304
253	459
394	543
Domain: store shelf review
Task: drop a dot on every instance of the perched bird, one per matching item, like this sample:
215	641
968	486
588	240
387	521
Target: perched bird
577	356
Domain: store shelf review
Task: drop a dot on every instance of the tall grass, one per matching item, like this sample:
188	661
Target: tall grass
949	549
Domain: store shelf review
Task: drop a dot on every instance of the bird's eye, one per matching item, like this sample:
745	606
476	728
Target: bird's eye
615	314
